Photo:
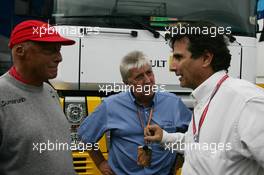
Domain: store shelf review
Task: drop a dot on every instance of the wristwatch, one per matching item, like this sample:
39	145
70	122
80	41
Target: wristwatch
75	113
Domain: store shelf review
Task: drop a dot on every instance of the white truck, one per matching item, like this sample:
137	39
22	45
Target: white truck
105	31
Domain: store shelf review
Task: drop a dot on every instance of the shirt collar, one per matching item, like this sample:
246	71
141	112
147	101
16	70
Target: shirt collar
13	72
204	90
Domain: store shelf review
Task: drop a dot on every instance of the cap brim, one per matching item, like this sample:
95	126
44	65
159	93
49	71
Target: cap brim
55	39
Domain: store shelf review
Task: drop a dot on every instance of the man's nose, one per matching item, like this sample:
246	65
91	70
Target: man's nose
147	79
174	65
58	57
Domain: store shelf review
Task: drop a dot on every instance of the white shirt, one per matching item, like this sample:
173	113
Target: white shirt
231	138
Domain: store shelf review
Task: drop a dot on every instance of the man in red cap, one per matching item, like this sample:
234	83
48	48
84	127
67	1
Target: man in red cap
34	133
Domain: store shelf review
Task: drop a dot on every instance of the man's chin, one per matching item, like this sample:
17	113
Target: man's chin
182	84
52	76
148	94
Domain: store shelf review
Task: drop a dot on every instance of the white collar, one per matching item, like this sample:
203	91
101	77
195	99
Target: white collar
204	90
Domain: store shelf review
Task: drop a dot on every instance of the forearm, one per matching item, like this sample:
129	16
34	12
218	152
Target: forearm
172	137
96	156
173	141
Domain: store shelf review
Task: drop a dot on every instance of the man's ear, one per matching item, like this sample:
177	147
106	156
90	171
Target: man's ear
207	58
125	82
19	50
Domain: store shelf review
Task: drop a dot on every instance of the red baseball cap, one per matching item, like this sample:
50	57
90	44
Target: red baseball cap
34	30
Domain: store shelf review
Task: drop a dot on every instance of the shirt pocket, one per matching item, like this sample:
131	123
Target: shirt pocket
169	129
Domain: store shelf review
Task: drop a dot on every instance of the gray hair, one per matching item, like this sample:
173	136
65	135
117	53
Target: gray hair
134	59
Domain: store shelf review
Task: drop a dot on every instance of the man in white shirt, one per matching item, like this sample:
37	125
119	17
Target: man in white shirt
226	134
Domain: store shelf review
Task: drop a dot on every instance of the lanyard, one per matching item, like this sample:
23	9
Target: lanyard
196	135
141	120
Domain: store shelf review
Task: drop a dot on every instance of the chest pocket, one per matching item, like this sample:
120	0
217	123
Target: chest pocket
167	125
169	128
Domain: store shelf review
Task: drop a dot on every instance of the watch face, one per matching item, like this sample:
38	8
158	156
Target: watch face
75	113
74	138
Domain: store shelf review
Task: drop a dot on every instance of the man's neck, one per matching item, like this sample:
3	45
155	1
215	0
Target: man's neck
27	77
203	78
145	101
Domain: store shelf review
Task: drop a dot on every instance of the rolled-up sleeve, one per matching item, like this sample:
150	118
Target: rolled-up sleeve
95	125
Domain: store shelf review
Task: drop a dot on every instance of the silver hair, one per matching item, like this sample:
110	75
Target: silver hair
134	59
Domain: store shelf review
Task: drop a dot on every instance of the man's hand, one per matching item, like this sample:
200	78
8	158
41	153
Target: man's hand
105	168
153	133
